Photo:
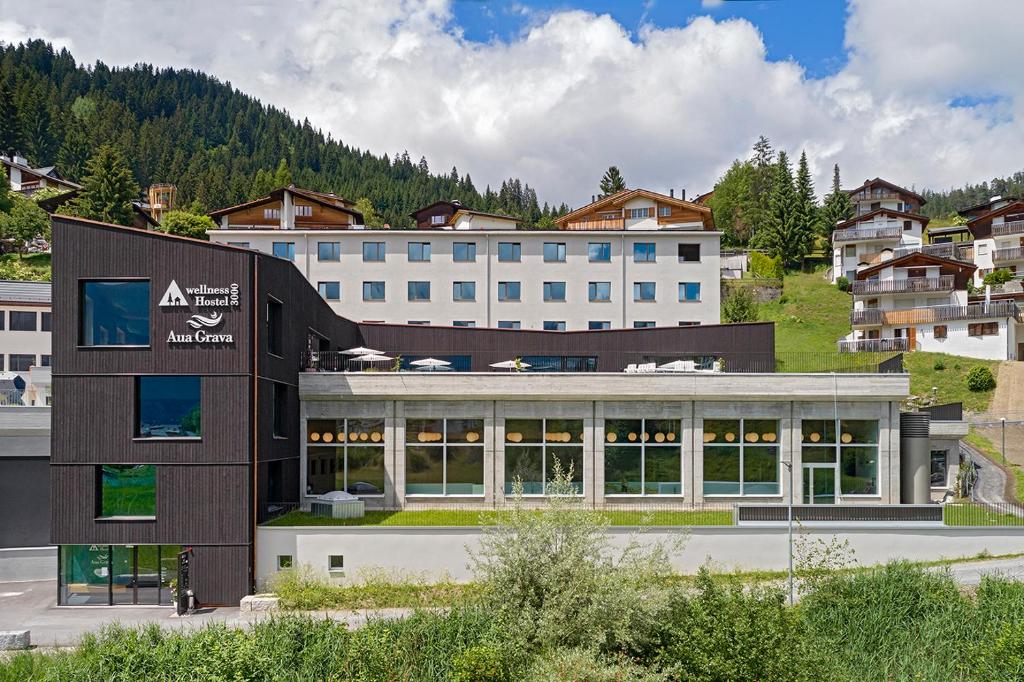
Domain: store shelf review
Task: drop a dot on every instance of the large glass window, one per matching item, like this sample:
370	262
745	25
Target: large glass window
554	291
419	291
419	251
599	291
854	451
599	252
127	491
741	457
444	457
464	252
167	407
509	291
102	575
554	325
510	252
554	252
114	313
23	321
328	251
284	250
938	468
345	454
644	252
373	252
643	457
532	448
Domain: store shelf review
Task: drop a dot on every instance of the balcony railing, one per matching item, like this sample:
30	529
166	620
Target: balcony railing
875	346
875	196
12	397
908	285
1012	227
1010	254
599	224
942	313
948	250
861	233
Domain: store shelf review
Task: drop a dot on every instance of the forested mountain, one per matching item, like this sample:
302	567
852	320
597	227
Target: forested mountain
945	203
218	145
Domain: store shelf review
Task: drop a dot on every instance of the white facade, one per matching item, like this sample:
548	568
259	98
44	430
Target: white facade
25	344
625	268
1002	249
872	241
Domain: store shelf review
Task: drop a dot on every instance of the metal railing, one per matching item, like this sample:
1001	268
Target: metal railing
840	513
859	233
13	397
983	514
945	313
906	285
875	345
1012	227
1012	253
950	412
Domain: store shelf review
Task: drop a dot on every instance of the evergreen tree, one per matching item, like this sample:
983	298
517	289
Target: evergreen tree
838	206
761	184
10	122
5	191
73	153
807	203
108	189
283	175
612	182
782	235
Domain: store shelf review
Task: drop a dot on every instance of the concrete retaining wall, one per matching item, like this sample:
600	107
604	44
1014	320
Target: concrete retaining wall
21	564
436	552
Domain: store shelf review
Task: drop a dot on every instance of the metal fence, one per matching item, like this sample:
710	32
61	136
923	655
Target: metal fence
983	514
950	412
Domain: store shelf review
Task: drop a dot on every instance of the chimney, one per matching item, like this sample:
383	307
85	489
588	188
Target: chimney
593	198
682	194
671	193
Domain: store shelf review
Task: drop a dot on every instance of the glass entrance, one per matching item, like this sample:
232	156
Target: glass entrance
819	484
116	574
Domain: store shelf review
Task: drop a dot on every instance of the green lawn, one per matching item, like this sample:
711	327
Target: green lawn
970	514
34	266
951	381
471	517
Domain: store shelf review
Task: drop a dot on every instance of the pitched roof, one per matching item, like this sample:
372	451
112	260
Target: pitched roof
17	291
890	185
621	197
46	171
458	208
886	211
1016	205
986	204
330	201
53	204
916	258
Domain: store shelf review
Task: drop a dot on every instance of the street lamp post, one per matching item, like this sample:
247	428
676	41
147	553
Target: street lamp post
1002	421
789	505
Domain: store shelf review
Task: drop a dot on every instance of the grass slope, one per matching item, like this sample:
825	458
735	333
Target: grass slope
33	266
476	517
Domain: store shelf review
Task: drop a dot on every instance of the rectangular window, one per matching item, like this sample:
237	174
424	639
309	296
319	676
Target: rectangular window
509	324
303	211
635	213
596	325
854	452
510	252
275	327
644	252
280	404
509	291
554	326
940	331
45	322
938	469
284	250
44	361
464	291
741	457
599	291
23	321
335	563
168	407
241	245
271	214
689	292
374	252
536	448
906	225
644	291
644	324
419	291
689	323
126	491
373	291
464	252
444	457
599	252
3	319
419	252
664	211
983	329
21	363
554	252
554	291
438	219
331	291
851	251
114	313
419	323
328	251
463	323
643	457
345	454
689	253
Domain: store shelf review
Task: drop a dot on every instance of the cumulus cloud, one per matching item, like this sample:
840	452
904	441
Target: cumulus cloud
576	91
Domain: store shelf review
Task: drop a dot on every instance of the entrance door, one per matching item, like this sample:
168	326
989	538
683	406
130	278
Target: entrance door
911	338
819	484
1020	351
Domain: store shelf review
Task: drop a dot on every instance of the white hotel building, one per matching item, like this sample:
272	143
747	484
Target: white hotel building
630	260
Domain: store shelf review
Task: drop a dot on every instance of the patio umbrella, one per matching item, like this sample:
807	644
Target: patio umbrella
360	350
430	364
510	364
370	357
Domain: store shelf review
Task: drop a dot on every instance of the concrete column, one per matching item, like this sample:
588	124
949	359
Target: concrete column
302	454
498	477
489	453
687	437
789	442
390	448
398	444
698	456
593	456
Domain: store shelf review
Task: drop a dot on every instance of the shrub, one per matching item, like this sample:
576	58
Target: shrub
766	267
481	663
739	306
980	379
842	283
996	277
939	366
580	665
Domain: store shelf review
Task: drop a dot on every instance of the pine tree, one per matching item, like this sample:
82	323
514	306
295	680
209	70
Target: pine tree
283	175
107	190
761	185
5	191
782	235
612	182
807	203
73	153
838	206
10	122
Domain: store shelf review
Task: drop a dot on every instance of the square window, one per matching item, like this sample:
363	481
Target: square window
509	291
554	291
644	291
598	325
373	291
284	250
419	291
331	291
335	562
689	292
168	407
44	361
464	291
554	252
510	252
554	326
419	252
664	211
373	252
509	324
464	252
126	491
284	561
599	252
438	219
689	253
329	251
114	313
940	331
599	291
644	252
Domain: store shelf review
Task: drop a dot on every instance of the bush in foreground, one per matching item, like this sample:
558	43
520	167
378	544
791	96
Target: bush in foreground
980	379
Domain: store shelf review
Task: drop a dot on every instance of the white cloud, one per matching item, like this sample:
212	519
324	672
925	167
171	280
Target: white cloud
576	92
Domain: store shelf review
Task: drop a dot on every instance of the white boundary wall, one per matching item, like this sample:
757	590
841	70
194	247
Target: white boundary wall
436	552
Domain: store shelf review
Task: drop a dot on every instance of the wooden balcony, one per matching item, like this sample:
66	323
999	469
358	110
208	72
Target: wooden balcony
1012	227
856	234
963	252
944	313
1007	255
597	224
908	285
875	346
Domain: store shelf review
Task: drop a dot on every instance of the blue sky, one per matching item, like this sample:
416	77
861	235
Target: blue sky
808	31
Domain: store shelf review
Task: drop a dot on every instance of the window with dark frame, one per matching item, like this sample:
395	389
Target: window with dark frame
114	313
983	329
554	291
328	251
374	252
689	253
509	291
554	252
21	362
464	252
330	291
940	331
126	491
45	322
275	327
419	291
168	406
280	406
23	321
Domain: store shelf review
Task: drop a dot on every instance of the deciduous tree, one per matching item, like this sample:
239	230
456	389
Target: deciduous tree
187	224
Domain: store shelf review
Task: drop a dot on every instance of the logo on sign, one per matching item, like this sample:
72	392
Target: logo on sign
173	297
202	325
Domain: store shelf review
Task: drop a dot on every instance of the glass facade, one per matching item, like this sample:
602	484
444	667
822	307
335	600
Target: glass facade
854	452
127	491
168	407
643	457
345	454
105	575
114	313
536	448
444	457
741	457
